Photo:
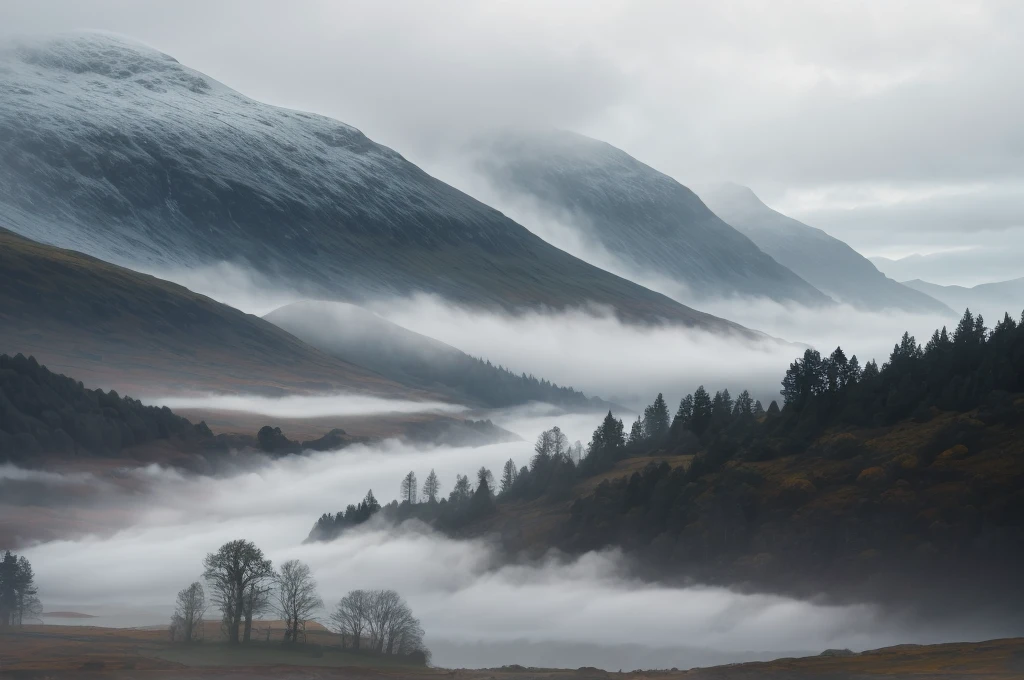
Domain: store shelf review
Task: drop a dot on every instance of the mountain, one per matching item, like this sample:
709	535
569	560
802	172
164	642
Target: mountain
110	326
991	299
357	335
826	262
651	223
119	151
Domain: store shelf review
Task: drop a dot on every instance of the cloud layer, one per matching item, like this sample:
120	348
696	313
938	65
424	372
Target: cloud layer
476	610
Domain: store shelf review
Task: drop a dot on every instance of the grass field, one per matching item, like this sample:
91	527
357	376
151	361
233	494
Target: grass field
38	652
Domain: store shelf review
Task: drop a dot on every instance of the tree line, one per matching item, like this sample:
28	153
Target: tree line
244	585
41	411
972	367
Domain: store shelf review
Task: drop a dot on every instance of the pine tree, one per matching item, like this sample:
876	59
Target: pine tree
462	491
485	480
744	407
431	487
636	433
409	487
758	409
542	451
508	476
701	411
655	422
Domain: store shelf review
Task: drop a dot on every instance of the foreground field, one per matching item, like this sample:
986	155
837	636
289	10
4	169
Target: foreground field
38	652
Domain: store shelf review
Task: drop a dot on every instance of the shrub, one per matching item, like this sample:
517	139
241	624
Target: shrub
871	475
954	453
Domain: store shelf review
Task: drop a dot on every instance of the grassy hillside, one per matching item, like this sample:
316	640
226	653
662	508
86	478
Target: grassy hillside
901	484
110	326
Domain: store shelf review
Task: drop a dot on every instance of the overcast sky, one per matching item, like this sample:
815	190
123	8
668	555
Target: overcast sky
894	125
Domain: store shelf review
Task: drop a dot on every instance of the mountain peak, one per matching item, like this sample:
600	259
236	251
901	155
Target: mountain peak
651	222
117	150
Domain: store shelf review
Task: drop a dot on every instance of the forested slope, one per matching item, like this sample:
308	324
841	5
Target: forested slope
43	412
900	483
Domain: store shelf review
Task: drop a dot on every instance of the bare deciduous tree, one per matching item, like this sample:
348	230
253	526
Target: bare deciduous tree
190	607
351	615
240	578
381	617
256	601
297	598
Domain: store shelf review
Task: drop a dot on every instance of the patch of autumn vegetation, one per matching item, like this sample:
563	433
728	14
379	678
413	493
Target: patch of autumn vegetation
871	475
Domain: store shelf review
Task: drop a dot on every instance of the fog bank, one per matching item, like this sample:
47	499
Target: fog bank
476	611
301	406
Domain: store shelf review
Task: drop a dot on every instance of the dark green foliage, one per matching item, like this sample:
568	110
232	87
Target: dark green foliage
330	525
271	440
607	445
18	601
950	373
43	412
655	421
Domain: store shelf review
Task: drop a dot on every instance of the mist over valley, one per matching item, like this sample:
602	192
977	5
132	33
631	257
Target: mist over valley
603	340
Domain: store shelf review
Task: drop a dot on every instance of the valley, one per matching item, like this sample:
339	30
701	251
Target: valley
666	341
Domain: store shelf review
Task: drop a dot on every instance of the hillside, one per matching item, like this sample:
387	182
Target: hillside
107	325
653	224
119	151
357	335
42	412
825	262
898	484
986	298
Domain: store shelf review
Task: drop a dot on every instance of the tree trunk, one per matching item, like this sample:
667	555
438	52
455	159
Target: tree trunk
248	626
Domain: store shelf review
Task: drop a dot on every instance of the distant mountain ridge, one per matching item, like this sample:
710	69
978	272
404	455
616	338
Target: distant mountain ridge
119	151
992	299
357	335
648	220
826	262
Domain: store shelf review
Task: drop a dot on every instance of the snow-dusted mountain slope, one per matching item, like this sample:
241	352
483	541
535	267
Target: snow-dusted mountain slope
119	151
828	263
651	223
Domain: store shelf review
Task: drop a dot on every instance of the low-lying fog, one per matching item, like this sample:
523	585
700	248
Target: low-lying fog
477	612
296	406
592	351
589	349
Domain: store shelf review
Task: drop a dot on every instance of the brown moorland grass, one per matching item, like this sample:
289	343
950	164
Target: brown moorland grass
84	652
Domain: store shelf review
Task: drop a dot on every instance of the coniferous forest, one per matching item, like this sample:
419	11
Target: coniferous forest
889	479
